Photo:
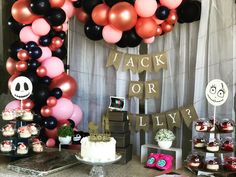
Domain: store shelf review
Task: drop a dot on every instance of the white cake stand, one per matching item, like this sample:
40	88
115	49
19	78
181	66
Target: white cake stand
98	169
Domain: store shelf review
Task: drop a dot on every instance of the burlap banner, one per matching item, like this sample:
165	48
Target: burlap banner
148	89
169	120
137	63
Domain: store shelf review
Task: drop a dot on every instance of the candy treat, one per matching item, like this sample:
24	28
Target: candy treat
24	132
227	144
22	149
37	145
199	142
27	116
230	163
194	161
201	126
226	126
213	165
33	129
6	146
8	130
213	146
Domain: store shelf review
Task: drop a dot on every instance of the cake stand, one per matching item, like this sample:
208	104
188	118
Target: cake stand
98	169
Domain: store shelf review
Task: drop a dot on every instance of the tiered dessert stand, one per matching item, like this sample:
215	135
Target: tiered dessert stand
98	169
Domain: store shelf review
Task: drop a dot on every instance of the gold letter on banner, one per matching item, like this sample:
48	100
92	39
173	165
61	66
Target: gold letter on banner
142	122
144	63
189	114
151	89
131	62
114	58
160	61
159	121
136	89
173	119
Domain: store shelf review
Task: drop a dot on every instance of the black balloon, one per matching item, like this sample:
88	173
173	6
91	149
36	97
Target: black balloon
45	40
42	135
50	123
72	123
40	94
38	119
45	80
57	92
92	30
89	5
35	52
56	17
31	45
61	34
162	12
15	48
40	7
14	25
110	3
32	76
33	65
77	4
60	53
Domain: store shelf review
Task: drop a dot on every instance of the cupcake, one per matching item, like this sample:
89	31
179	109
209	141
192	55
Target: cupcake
230	163
8	130
37	145
24	132
227	144
6	146
226	126
201	125
211	125
194	161
199	142
213	165
213	146
22	149
8	115
33	129
27	116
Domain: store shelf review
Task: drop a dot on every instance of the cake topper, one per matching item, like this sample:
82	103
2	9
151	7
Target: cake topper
93	131
216	92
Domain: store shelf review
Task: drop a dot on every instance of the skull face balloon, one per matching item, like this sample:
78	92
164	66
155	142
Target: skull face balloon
216	92
21	88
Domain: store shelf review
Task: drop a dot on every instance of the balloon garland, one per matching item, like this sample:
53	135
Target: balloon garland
42	26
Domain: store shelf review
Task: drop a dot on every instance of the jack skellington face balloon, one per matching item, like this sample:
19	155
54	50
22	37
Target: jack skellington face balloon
21	88
216	92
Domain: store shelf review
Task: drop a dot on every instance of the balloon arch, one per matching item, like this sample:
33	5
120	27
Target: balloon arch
42	26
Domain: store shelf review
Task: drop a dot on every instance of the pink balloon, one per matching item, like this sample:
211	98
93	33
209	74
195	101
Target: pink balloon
50	142
46	53
111	35
26	35
51	133
15	104
171	4
40	27
77	115
145	8
149	40
63	109
54	66
68	8
65	27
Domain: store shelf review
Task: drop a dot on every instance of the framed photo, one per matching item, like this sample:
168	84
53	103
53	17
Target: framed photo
117	103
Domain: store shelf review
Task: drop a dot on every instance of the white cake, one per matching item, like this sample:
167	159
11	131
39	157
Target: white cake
22	149
8	115
98	151
27	116
24	132
33	129
6	146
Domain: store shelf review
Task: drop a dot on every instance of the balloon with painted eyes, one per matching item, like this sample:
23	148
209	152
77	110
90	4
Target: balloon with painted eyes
216	92
21	88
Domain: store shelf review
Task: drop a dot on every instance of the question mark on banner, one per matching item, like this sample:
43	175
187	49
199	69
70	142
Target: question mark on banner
189	113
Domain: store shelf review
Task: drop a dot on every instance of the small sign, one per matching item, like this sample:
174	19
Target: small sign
216	92
21	88
117	103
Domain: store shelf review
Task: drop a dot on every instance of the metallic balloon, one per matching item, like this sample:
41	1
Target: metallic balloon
28	104
172	18
41	71
56	3
21	66
146	27
100	14
166	27
81	15
23	55
51	101
11	66
46	111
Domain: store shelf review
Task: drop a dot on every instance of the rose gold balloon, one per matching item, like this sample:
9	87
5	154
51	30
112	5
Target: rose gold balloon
11	66
159	31
22	13
46	111
58	28
158	21
66	83
57	42
122	16
146	27
51	133
172	18
41	71
51	101
23	55
81	15
100	14
28	104
56	3
166	27
11	79
21	66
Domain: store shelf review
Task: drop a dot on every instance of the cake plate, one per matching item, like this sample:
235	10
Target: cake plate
98	169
